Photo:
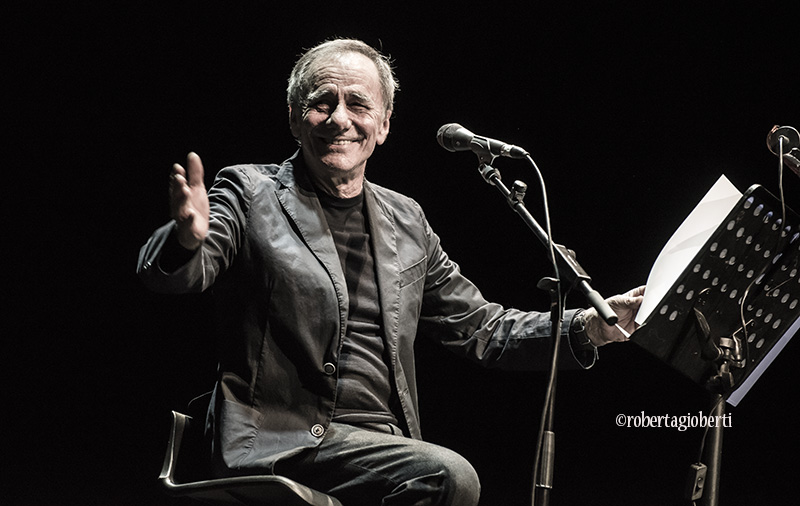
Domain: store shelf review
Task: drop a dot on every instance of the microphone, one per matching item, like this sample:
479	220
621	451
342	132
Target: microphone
454	137
791	145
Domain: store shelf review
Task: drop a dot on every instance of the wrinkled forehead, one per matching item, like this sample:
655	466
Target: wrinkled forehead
353	71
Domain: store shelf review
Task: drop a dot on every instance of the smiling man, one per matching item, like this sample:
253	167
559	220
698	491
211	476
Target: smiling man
323	281
341	120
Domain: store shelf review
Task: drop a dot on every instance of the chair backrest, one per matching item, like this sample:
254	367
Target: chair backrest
262	490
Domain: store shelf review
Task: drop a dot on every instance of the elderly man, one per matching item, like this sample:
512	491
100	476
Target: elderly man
323	281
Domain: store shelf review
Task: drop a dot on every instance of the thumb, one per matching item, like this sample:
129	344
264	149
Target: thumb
194	170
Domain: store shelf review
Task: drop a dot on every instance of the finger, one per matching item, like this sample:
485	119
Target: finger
179	193
178	170
177	187
177	178
636	292
194	169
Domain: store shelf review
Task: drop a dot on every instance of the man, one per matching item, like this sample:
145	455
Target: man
323	281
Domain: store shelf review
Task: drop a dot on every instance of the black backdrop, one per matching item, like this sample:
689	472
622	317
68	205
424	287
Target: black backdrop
631	112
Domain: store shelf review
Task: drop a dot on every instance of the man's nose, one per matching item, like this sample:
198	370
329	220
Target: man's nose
340	117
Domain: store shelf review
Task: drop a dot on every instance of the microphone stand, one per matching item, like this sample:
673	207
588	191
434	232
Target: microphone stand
544	462
567	273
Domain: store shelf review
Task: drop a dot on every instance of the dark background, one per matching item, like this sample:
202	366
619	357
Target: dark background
632	111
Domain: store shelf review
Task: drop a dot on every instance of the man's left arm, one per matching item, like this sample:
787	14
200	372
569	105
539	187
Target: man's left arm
455	313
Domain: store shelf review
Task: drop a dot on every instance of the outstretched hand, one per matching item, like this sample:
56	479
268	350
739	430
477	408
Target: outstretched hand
625	306
189	202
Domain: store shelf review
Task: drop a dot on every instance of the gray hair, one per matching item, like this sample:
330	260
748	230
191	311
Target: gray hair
301	80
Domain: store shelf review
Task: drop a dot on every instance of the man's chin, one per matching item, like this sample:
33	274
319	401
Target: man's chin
338	165
339	159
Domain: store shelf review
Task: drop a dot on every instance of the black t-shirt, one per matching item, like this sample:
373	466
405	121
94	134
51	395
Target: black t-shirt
365	392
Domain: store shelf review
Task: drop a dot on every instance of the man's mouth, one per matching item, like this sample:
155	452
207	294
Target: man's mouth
341	142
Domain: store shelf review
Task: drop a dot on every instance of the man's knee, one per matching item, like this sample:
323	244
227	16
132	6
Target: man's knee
438	477
462	482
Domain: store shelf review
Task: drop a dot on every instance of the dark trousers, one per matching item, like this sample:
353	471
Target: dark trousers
363	467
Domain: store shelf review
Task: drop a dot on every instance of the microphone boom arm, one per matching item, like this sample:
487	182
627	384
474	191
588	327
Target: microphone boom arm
568	268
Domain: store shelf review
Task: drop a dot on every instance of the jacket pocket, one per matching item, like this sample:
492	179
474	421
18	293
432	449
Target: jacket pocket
239	426
413	273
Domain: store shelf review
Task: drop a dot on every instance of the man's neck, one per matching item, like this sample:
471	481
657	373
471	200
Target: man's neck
342	186
340	189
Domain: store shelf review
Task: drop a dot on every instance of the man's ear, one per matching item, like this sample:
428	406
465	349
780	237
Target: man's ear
383	132
294	122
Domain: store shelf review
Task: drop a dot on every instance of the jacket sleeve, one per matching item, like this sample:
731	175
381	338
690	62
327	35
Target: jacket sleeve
455	313
229	199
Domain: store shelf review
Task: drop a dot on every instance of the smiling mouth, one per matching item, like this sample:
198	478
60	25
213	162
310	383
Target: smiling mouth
341	142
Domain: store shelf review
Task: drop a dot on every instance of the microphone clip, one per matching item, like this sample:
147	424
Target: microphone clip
485	156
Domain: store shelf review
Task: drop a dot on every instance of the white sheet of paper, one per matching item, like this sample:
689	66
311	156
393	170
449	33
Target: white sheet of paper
686	242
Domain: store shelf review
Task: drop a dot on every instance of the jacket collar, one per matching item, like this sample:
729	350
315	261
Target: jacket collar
293	172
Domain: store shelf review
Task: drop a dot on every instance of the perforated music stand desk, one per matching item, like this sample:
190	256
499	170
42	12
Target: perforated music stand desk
750	248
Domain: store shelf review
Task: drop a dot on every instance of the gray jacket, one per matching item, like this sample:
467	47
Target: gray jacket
282	307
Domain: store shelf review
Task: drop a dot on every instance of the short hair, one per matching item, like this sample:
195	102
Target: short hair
301	80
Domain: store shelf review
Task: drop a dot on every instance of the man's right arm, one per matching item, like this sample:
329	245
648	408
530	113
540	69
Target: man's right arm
187	254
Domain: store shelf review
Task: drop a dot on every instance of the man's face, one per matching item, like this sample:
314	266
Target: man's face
345	117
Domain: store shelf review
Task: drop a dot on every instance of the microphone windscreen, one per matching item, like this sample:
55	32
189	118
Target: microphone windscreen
454	137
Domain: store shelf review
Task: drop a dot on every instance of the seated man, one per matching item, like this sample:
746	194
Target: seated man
323	281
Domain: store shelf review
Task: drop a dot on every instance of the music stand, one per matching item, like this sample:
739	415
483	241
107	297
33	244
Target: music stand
697	327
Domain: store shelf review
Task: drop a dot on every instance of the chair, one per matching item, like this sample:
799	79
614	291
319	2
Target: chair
262	490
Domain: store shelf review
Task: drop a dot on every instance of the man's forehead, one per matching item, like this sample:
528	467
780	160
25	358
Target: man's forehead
337	75
346	66
351	91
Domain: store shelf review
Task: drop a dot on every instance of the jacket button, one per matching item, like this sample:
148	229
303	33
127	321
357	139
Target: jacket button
317	430
329	368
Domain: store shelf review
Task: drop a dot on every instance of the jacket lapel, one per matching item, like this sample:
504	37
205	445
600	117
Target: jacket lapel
387	262
304	209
